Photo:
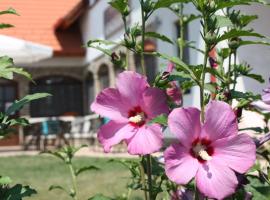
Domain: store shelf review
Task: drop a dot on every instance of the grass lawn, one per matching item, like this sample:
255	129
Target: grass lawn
42	171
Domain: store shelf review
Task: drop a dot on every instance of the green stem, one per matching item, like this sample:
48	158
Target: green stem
229	71
127	59
127	50
143	178
203	81
143	39
206	55
149	175
235	73
182	31
74	181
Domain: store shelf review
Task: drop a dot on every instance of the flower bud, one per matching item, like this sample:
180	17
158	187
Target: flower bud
210	38
234	43
174	93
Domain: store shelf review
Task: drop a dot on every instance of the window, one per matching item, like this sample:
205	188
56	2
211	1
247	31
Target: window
66	97
113	23
104	78
186	50
149	60
8	94
89	91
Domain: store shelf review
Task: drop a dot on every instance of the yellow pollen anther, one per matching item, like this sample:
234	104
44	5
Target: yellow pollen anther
200	151
137	118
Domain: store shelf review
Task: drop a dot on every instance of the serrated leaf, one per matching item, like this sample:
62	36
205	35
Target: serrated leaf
4	25
158	36
238	33
160	119
167	3
86	168
17	105
9	11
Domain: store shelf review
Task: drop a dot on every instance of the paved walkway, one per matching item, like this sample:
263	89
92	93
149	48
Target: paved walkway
87	151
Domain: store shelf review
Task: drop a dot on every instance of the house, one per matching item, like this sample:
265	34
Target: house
74	75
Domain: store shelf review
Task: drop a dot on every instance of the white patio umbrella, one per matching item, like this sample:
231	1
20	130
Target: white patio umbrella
22	51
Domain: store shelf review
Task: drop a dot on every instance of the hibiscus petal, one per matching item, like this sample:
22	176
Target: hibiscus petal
131	85
113	133
147	140
220	121
109	104
180	166
154	102
237	152
266	96
215	180
185	124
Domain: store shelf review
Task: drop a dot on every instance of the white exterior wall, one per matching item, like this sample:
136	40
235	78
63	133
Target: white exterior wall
258	56
165	23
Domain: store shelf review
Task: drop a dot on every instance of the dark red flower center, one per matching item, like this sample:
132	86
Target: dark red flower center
137	116
202	149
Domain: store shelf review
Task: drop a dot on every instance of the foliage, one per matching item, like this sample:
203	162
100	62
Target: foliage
66	154
7	121
236	35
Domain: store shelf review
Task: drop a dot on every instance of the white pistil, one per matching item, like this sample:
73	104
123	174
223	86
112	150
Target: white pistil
140	117
200	151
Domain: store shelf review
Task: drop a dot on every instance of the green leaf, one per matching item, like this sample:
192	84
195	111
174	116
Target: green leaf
181	64
256	77
57	187
3	25
95	44
167	3
100	197
216	73
121	6
245	42
158	36
9	11
18	192
17	105
19	121
231	3
222	21
7	68
5	180
86	168
160	119
238	33
210	87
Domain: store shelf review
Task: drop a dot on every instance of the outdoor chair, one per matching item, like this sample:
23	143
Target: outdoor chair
84	128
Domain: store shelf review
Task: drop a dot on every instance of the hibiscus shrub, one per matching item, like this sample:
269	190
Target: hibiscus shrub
209	158
8	120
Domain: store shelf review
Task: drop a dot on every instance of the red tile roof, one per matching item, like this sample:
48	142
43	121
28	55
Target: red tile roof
49	22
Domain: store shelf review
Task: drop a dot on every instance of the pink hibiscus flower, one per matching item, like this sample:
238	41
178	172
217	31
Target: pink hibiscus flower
130	107
211	152
266	95
174	92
